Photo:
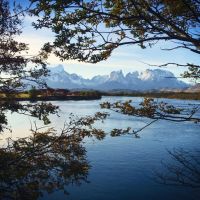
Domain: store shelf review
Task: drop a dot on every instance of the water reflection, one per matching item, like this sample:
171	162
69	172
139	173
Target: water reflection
183	171
121	166
46	160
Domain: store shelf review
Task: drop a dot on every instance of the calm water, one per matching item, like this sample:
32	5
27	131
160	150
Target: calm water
122	167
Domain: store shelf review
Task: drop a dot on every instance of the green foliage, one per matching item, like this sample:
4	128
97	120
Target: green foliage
47	160
152	109
193	72
118	132
15	71
33	93
89	93
90	30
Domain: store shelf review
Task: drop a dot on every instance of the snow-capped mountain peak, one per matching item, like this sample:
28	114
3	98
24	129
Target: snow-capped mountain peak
147	80
132	75
100	79
116	75
57	69
156	74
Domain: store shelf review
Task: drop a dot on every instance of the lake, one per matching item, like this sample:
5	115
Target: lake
123	167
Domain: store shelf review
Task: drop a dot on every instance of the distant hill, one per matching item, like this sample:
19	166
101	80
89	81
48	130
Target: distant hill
195	88
148	80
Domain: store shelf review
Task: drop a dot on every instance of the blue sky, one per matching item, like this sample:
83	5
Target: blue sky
126	58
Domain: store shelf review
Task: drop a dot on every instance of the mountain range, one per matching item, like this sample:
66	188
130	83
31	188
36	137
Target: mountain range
156	79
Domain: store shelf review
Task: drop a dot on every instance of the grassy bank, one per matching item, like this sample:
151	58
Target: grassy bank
62	94
169	95
51	95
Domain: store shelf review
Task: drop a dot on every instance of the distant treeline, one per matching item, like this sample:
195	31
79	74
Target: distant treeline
50	94
169	95
64	94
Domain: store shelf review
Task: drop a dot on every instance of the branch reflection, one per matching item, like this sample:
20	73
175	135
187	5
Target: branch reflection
184	170
47	161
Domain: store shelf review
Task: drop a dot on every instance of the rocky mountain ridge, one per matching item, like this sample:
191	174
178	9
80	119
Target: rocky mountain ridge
156	79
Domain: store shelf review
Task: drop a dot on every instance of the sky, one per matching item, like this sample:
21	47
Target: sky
126	58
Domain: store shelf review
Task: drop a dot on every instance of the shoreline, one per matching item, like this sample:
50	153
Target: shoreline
166	95
64	98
